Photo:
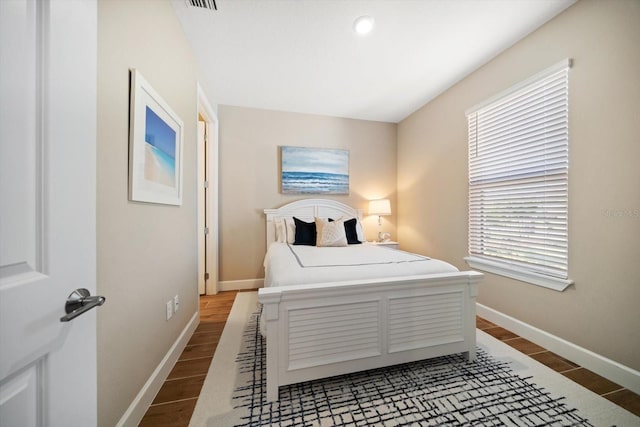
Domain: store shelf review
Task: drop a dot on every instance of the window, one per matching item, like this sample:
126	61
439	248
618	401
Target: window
518	180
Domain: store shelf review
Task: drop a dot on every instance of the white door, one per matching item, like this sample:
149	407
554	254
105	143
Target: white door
207	196
47	211
202	208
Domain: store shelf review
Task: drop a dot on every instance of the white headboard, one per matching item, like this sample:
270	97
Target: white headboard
308	210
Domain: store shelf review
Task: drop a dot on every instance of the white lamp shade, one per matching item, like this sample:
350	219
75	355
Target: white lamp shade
380	207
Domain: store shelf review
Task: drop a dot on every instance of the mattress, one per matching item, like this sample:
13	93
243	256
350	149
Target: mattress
287	265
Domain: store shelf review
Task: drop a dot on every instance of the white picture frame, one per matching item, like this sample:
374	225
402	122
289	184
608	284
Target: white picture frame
155	146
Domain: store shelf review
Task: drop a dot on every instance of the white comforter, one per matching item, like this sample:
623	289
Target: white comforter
295	265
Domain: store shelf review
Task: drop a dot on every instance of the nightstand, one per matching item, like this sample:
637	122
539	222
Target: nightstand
389	244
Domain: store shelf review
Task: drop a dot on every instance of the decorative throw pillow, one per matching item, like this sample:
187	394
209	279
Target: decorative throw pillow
330	233
351	230
305	232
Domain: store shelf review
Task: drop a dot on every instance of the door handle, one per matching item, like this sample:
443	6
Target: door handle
80	301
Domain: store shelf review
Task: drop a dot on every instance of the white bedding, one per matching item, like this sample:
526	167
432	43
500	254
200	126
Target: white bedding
287	264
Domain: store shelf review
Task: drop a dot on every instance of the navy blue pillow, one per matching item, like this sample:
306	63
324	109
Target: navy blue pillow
305	232
351	231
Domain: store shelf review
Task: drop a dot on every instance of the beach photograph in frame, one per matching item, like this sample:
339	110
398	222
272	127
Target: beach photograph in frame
314	170
155	146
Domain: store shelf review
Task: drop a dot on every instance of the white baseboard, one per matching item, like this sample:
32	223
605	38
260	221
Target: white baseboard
236	285
610	369
133	415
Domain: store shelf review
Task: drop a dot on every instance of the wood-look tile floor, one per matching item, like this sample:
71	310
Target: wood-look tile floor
176	400
590	380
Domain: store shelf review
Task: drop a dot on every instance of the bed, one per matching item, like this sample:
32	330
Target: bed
358	316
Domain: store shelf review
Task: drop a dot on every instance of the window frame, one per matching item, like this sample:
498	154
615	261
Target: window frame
527	271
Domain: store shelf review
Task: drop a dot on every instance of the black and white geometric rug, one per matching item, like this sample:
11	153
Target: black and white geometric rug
444	391
435	392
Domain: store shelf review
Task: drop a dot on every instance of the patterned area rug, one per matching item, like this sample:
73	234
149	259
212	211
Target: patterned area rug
436	392
503	387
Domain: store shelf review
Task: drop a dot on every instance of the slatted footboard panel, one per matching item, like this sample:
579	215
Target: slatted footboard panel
323	335
331	329
423	321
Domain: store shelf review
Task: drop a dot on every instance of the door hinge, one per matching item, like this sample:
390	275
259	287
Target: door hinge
206	184
206	231
206	276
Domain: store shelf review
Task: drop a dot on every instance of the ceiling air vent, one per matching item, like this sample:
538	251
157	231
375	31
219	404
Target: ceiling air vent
204	4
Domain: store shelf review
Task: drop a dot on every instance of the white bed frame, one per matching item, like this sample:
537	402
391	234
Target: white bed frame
326	329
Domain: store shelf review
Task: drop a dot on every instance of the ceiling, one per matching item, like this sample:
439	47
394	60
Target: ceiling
304	56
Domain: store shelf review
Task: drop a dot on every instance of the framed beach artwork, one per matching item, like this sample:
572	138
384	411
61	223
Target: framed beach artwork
155	146
314	170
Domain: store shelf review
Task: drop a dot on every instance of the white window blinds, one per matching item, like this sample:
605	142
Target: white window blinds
518	178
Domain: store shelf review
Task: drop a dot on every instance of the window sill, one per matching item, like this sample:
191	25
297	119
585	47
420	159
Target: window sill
518	274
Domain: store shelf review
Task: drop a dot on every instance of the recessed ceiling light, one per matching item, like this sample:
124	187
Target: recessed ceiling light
363	24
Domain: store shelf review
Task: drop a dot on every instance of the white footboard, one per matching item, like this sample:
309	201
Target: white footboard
322	330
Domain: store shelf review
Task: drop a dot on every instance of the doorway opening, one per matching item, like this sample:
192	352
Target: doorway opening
207	197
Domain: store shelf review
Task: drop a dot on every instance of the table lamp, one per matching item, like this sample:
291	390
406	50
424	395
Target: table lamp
380	208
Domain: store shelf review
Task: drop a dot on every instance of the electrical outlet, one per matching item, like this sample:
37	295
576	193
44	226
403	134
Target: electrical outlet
176	304
169	310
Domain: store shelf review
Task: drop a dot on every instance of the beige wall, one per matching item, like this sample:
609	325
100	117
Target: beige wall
146	253
249	175
600	312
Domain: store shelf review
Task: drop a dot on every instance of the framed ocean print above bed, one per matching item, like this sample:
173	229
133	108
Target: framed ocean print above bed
314	170
155	146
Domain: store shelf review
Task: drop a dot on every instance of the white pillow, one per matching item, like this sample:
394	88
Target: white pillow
290	231
360	231
330	233
280	231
